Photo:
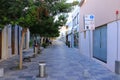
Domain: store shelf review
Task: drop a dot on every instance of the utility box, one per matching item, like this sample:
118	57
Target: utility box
117	67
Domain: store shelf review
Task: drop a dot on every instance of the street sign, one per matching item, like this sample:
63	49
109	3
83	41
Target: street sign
89	22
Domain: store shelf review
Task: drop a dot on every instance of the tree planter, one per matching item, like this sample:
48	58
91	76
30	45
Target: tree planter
15	68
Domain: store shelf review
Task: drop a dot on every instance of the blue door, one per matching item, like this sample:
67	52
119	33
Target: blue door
100	43
96	42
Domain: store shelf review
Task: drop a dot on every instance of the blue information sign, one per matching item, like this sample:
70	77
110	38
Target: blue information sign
91	17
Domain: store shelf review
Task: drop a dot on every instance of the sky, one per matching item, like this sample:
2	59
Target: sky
69	1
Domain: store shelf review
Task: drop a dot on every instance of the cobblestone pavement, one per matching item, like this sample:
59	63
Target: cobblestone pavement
62	63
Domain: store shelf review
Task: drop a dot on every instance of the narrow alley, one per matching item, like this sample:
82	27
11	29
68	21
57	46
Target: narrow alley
62	63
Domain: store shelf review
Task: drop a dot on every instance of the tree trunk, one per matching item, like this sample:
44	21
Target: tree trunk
24	30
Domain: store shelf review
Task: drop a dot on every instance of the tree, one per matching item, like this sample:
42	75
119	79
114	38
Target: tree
16	12
47	10
38	15
26	20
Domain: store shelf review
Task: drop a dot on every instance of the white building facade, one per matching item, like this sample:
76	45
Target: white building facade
75	27
69	33
10	41
101	44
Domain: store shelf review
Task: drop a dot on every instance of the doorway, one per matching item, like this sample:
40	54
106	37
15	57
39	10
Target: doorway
13	40
100	43
0	44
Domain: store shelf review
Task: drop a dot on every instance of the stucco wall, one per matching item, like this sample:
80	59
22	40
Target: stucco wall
112	44
84	43
16	39
86	48
4	44
104	11
9	40
27	38
119	40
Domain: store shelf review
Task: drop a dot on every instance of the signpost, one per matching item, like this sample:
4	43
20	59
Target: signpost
89	25
89	22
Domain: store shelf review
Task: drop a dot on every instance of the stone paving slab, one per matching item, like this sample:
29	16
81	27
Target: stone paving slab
62	63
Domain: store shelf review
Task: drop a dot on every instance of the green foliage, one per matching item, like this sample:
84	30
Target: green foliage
46	25
59	6
45	45
75	3
38	15
13	12
31	43
45	28
62	19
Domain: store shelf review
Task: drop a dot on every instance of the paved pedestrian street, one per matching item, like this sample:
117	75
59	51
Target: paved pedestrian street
62	63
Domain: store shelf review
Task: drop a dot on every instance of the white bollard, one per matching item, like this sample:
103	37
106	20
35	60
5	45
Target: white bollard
1	72
35	50
86	73
42	69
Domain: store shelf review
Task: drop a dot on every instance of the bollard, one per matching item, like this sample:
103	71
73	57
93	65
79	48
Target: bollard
86	73
117	67
36	50
1	72
42	69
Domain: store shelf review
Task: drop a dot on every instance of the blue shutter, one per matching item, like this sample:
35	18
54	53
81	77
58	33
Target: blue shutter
100	43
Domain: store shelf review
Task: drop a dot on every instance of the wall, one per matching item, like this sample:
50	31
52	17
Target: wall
69	39
119	40
75	27
9	40
4	44
112	45
84	43
103	10
16	39
6	41
28	38
63	31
